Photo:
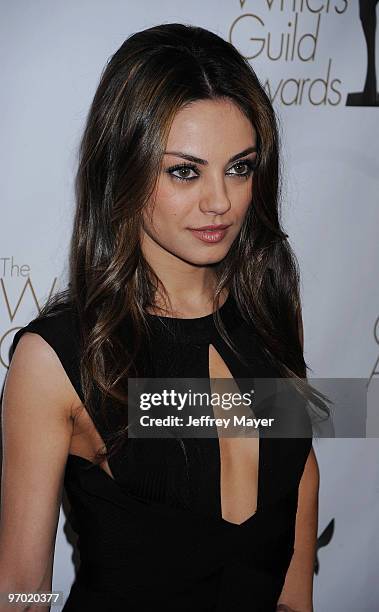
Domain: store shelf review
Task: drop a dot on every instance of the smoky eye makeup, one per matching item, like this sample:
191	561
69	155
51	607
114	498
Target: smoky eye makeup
184	169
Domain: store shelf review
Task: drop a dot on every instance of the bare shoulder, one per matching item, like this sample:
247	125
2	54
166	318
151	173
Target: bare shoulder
36	369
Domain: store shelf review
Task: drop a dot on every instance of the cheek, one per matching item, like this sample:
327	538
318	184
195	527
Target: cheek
241	203
172	209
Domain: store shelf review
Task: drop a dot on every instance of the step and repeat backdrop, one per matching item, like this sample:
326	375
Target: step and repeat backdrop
316	60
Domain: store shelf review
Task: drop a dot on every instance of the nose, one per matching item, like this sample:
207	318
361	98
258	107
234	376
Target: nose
214	198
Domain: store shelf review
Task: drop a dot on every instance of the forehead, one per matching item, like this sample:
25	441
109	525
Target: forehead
211	124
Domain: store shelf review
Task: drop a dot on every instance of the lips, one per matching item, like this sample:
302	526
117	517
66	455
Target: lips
211	234
210	227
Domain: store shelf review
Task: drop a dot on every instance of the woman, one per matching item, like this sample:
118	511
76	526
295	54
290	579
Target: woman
180	137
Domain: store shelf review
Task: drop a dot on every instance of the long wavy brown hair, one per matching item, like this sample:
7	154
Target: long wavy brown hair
145	83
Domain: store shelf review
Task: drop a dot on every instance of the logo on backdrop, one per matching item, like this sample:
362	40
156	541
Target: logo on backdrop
369	96
290	35
18	296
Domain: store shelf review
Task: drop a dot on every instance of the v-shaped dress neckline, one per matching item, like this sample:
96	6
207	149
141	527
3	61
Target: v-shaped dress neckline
200	332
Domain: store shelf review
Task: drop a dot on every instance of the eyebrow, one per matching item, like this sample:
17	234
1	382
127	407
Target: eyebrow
198	160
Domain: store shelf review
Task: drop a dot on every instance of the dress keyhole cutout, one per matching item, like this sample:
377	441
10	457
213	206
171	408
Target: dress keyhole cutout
239	456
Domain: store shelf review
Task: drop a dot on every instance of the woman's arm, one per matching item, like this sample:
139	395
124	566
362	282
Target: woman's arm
297	593
36	434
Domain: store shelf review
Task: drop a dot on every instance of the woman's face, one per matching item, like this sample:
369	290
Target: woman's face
206	179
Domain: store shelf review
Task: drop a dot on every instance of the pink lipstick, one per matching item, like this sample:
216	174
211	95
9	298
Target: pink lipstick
210	233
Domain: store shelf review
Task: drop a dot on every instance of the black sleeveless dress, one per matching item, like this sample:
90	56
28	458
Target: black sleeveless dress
153	537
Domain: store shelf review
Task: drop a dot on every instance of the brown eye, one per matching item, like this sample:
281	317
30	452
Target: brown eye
247	164
182	168
239	166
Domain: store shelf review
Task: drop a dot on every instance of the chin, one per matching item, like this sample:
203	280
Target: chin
201	259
